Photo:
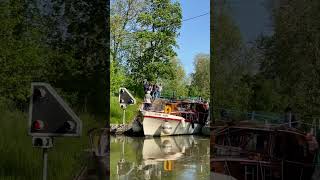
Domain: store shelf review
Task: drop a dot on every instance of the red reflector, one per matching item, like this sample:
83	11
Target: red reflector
38	125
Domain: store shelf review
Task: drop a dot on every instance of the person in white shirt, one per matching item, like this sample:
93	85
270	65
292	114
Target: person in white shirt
159	89
147	101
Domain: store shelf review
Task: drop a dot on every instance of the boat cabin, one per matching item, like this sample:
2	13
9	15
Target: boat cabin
191	111
261	152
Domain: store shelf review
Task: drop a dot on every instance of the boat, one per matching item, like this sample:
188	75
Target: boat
179	117
247	150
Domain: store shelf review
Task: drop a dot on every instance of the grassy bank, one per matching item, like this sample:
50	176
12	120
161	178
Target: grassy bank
116	112
19	160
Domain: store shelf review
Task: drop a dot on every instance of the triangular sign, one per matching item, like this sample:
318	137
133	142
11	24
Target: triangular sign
49	115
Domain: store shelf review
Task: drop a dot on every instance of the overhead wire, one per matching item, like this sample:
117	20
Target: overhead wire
195	17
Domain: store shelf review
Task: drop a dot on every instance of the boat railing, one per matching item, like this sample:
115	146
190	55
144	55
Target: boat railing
268	118
302	122
172	96
199	117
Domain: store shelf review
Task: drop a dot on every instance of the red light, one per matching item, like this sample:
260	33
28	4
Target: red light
38	125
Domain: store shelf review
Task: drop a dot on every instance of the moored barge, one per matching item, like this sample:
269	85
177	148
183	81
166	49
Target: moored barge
250	151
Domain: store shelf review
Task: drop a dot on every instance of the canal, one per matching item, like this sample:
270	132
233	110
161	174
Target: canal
172	157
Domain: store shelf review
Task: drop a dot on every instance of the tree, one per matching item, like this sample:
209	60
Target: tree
226	56
117	77
201	77
22	54
78	33
143	35
155	39
292	55
123	17
177	83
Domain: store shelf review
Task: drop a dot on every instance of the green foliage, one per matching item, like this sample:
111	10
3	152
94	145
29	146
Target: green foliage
228	90
21	53
291	60
59	47
177	83
159	29
116	113
86	43
117	77
201	76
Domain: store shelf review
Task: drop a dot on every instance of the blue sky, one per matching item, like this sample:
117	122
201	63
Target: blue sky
194	34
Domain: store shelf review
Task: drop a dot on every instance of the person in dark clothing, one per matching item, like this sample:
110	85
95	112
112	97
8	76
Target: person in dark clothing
290	118
145	86
155	91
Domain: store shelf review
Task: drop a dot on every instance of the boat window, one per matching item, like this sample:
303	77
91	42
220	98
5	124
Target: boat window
246	141
290	147
253	172
250	172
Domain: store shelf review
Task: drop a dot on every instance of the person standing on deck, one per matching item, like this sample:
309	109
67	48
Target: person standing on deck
159	89
150	87
156	91
153	92
290	118
145	86
147	101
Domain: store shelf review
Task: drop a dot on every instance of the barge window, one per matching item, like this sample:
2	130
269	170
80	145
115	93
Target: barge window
247	142
287	146
250	172
254	172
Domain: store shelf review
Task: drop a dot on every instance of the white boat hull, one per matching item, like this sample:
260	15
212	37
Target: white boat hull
161	124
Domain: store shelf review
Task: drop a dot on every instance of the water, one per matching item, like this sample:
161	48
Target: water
174	157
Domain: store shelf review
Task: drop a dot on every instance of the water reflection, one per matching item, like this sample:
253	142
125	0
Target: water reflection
175	157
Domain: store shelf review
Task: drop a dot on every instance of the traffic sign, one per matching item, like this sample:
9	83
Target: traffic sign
49	115
125	98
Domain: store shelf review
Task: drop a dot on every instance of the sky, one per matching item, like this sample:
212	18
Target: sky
195	33
252	17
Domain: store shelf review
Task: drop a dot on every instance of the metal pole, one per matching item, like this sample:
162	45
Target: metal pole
290	116
124	116
252	115
122	149
45	164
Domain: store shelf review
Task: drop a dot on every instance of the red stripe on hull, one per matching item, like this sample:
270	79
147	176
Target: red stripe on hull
163	118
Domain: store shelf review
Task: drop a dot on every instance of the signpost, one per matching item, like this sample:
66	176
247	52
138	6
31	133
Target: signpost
50	116
125	99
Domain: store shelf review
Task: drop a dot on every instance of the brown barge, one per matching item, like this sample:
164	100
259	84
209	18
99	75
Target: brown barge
250	151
